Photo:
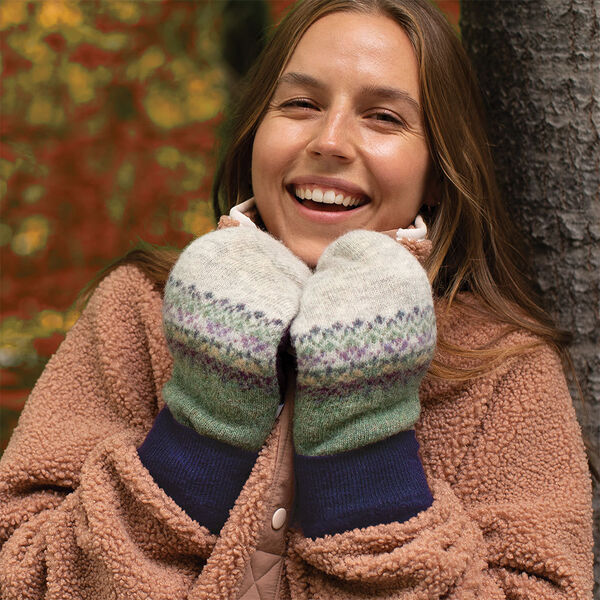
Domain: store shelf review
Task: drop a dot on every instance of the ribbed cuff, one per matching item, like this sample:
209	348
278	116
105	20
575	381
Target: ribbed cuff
380	483
203	476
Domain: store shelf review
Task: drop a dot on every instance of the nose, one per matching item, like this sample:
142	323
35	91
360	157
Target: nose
333	137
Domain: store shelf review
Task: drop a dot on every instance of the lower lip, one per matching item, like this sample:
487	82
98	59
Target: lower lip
326	216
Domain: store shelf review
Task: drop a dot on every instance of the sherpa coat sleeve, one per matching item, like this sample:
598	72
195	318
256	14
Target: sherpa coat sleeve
511	516
104	379
71	484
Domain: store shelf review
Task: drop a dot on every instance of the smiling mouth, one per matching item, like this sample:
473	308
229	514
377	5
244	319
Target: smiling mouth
326	200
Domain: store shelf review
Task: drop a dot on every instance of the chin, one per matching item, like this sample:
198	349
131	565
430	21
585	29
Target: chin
307	251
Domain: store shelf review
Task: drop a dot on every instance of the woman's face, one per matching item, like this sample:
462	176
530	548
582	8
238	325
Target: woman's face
342	145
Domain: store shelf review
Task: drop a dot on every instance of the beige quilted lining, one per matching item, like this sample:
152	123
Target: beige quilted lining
264	571
262	578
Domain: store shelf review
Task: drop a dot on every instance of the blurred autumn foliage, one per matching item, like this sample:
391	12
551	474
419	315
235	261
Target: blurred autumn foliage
109	118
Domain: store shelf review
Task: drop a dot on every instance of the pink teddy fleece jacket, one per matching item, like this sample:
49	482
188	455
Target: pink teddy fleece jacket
82	517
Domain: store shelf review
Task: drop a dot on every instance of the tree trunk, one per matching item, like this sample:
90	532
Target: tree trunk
538	64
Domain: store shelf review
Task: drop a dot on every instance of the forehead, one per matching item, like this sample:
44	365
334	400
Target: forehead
369	47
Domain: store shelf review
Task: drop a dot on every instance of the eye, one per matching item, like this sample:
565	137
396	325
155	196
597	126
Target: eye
386	117
303	103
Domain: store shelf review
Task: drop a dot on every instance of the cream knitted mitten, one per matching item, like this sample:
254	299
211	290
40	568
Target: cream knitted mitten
228	305
364	337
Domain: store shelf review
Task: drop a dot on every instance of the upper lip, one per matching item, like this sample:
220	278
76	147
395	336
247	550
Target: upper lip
328	183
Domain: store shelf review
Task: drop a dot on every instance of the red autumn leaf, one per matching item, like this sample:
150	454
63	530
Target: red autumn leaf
46	347
56	41
12	62
92	57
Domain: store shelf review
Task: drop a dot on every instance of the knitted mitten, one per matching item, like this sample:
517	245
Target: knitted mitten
228	305
364	337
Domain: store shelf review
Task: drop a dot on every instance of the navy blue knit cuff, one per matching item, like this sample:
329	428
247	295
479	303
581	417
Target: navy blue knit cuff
202	475
380	483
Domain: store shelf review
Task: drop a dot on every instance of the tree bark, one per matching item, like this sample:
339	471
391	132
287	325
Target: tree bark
538	64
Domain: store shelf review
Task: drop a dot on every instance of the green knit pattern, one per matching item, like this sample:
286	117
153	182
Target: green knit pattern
228	304
364	338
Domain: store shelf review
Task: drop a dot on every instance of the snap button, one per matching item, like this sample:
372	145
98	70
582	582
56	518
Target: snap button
279	517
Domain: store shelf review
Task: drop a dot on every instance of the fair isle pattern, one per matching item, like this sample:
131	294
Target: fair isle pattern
364	336
224	382
351	358
221	336
358	378
228	302
358	382
366	373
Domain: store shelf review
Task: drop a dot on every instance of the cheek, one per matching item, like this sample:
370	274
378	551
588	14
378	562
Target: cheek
260	161
266	177
403	165
270	155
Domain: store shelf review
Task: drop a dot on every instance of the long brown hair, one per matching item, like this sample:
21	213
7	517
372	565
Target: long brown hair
475	246
473	239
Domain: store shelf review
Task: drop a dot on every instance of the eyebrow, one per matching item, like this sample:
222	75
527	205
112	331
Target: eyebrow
383	92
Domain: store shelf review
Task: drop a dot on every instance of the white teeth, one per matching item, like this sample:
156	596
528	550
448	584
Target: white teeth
329	197
326	197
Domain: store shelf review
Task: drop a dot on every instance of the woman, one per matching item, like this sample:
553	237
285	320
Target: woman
298	339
